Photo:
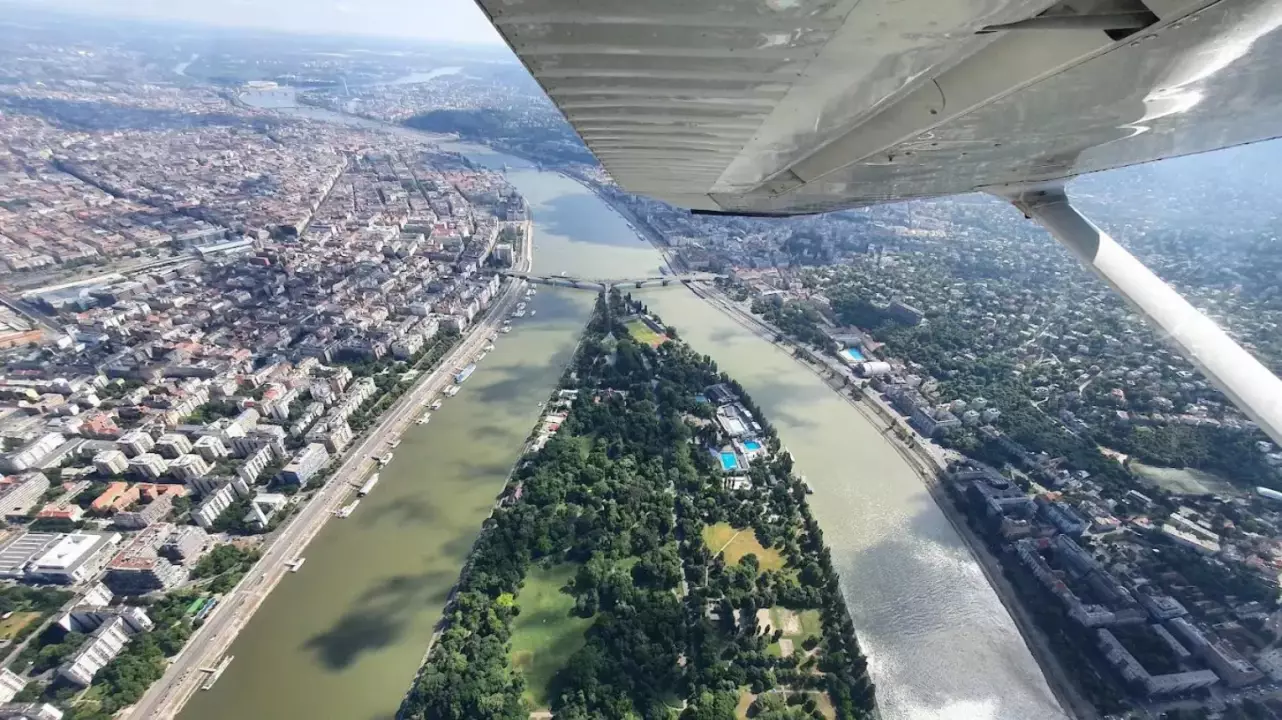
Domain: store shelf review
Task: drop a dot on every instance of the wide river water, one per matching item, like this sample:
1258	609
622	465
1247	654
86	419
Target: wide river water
342	638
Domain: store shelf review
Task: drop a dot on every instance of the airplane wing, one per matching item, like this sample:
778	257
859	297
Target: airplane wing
799	106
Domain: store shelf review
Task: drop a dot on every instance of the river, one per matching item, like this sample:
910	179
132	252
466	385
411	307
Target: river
342	638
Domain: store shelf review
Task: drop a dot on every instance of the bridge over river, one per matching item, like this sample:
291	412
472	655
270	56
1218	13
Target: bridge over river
598	285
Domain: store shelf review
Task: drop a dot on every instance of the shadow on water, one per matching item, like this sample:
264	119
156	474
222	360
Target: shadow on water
379	618
491	432
406	511
519	378
787	402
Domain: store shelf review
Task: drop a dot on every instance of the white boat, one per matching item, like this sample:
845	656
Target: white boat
369	485
295	564
520	306
435	405
519	313
488	348
494	336
384	460
481	357
451	391
506	329
394	443
532	312
426	418
348	509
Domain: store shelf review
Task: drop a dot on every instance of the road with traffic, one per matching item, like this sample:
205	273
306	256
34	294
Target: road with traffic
208	644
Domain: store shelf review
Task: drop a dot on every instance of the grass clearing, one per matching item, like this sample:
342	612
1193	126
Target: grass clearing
796	626
12	625
545	634
643	334
736	543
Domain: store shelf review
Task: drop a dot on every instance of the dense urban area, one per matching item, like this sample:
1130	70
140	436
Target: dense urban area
206	305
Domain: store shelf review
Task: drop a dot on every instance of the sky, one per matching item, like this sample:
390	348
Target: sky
454	20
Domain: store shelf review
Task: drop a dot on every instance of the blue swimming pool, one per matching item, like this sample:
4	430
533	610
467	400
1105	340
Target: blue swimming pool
854	354
729	461
751	445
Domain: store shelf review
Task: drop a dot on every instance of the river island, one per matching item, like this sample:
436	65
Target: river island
652	553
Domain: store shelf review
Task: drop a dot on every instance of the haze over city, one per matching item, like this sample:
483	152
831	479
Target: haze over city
456	21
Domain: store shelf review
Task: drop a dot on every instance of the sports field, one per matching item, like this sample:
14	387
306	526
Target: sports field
643	334
545	634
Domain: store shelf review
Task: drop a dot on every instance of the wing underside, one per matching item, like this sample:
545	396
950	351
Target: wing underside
794	106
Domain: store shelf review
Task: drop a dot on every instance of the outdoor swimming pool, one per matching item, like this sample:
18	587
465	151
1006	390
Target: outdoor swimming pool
751	445
729	461
854	354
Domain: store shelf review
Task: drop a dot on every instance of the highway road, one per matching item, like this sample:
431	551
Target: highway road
210	642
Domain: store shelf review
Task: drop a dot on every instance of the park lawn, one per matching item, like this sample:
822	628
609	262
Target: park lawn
15	623
796	626
825	705
643	334
545	634
737	543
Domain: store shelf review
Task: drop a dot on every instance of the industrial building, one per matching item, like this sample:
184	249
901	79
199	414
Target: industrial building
74	558
19	496
29	455
21	550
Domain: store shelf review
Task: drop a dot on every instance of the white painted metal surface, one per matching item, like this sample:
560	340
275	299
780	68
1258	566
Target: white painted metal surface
808	105
1234	371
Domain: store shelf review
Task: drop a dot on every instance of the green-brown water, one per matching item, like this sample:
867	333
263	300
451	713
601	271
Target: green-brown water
342	638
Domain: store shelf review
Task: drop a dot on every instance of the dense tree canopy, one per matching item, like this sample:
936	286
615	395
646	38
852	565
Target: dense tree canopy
624	492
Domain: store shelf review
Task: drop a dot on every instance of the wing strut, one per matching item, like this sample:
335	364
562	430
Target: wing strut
1250	385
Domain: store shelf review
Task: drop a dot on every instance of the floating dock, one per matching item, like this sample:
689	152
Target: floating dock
369	485
216	672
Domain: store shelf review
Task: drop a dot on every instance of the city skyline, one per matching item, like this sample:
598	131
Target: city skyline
455	21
